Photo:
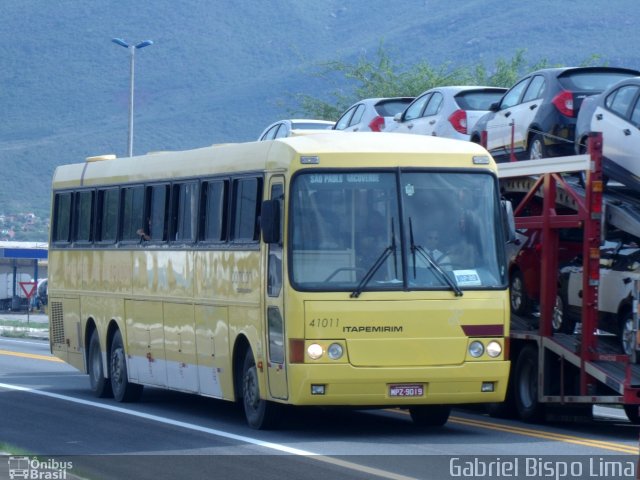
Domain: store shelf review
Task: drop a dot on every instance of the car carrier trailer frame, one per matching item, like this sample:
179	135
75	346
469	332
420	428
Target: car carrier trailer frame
559	369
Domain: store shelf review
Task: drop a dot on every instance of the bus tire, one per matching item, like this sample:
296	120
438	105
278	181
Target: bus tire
100	386
430	415
526	386
123	390
261	414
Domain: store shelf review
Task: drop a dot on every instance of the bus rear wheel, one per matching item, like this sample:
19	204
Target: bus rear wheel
430	415
100	386
123	390
260	413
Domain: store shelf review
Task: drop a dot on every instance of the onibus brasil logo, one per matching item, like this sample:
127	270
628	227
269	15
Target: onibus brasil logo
33	468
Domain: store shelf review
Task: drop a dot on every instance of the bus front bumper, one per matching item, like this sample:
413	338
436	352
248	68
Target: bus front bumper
473	382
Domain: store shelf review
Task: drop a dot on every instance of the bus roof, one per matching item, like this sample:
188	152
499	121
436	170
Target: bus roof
333	149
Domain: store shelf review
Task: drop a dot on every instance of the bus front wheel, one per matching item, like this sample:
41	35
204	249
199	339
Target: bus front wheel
123	390
430	415
260	413
100	386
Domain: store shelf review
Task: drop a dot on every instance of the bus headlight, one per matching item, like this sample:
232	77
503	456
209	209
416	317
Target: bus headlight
335	351
476	349
314	351
494	349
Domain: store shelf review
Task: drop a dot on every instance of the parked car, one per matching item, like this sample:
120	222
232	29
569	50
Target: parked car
446	111
619	267
542	108
524	265
286	128
371	114
615	113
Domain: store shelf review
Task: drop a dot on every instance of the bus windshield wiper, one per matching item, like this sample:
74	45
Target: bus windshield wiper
431	261
391	249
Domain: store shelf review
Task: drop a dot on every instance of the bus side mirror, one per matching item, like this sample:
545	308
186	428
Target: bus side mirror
508	221
270	221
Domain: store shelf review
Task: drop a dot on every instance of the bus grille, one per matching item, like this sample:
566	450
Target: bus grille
57	323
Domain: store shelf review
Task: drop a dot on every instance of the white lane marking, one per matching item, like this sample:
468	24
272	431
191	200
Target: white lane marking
28	342
213	431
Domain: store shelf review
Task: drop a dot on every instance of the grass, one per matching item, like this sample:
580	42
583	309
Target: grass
13	450
19	324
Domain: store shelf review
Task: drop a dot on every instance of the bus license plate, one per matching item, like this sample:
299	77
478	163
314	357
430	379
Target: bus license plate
406	390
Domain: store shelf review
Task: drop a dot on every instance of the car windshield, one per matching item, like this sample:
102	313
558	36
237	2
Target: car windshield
478	100
594	82
400	230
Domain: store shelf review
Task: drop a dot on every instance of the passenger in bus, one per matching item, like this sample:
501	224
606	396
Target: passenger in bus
371	238
432	245
464	251
145	234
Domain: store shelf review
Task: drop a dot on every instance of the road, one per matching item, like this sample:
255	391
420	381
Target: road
47	409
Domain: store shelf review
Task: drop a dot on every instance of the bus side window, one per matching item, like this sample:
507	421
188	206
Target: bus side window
246	198
214	211
83	216
107	215
157	209
184	216
62	217
132	212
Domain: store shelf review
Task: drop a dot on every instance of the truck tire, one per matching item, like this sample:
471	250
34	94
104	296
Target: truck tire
526	386
632	413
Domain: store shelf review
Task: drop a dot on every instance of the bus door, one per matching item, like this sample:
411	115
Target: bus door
274	304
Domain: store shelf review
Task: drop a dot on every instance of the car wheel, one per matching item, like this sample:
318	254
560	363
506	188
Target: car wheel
560	321
520	303
627	336
537	148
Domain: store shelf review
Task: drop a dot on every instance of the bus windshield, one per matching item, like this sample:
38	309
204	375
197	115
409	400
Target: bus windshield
395	230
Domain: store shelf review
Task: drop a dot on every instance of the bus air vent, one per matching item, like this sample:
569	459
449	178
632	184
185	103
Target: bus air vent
57	323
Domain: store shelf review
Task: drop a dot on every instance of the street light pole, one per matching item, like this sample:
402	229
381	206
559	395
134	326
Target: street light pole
132	51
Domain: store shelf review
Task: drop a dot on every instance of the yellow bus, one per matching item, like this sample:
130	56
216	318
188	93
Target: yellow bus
333	269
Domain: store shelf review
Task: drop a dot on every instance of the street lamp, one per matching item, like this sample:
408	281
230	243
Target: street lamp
132	50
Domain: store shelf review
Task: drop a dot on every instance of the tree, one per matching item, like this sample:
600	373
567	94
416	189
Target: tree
380	77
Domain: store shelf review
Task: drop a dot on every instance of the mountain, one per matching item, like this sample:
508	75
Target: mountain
220	70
